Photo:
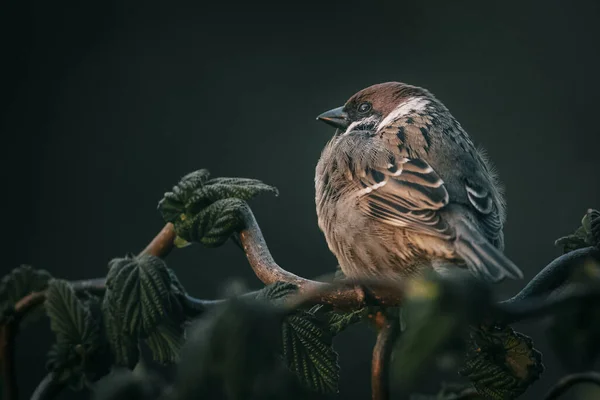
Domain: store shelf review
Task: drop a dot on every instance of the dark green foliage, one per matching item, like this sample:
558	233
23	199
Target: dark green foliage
257	347
141	302
165	342
139	288
308	353
124	348
20	282
213	225
501	363
588	234
208	210
276	291
306	342
437	313
337	321
77	357
232	353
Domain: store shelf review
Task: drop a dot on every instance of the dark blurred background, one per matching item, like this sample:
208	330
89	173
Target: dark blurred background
106	104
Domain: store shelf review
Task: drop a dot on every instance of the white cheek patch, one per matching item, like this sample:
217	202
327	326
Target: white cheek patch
409	106
365	121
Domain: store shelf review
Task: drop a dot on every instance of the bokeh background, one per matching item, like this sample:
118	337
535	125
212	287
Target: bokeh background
106	104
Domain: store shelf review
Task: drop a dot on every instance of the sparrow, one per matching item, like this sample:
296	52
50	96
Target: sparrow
402	189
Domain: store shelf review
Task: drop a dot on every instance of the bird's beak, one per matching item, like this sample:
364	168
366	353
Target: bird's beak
336	118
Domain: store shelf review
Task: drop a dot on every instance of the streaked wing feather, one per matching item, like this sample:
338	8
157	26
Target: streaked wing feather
408	193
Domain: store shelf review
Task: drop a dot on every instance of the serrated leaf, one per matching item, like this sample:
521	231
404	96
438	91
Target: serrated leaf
588	234
501	363
123	347
214	224
140	293
69	319
165	343
308	353
78	337
338	321
19	283
276	291
194	192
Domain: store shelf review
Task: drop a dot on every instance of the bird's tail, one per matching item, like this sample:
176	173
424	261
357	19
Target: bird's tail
483	259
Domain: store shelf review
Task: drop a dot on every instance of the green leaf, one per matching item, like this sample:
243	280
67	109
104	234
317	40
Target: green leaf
213	225
307	342
276	291
308	353
208	211
20	282
501	363
123	347
72	323
588	234
338	321
139	292
78	336
165	343
173	203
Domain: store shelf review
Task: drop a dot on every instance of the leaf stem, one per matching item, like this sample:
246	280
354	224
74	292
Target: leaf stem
563	385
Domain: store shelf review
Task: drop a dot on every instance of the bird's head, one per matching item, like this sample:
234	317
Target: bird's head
368	108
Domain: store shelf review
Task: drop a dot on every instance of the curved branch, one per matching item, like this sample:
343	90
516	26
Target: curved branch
569	381
518	310
163	243
345	295
48	388
555	274
389	329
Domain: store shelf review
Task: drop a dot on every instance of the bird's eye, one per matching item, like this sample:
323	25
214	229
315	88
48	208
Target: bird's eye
364	108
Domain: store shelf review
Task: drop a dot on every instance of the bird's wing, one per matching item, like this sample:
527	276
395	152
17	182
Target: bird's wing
406	193
482	203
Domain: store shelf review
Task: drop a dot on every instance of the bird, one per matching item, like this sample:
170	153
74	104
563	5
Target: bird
401	189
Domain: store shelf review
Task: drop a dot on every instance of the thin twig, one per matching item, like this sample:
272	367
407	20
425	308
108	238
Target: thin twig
569	381
389	329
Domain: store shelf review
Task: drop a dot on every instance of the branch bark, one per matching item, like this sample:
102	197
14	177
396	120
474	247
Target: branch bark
569	381
345	296
389	330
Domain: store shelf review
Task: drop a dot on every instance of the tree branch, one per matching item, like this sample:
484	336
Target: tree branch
345	296
48	388
569	381
555	274
389	329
